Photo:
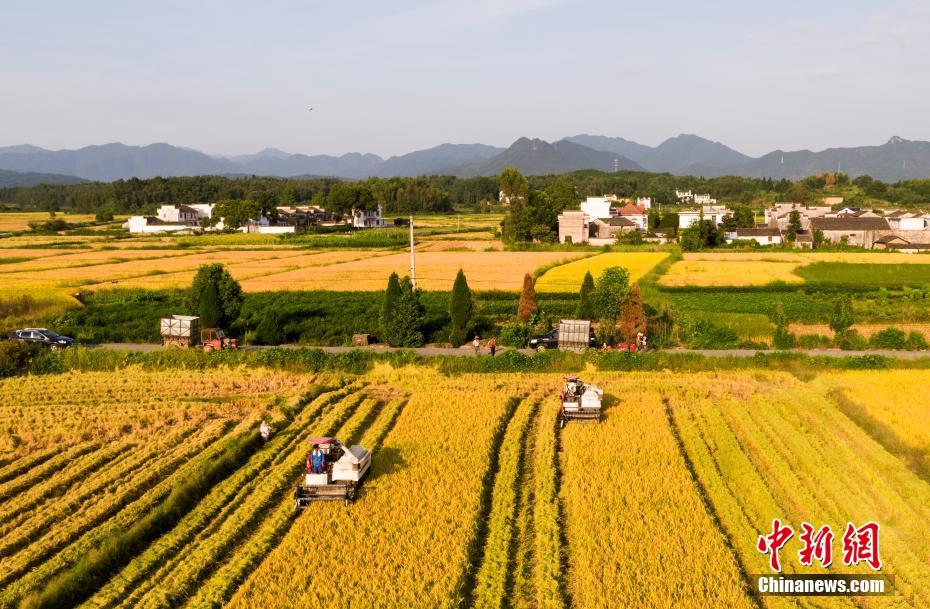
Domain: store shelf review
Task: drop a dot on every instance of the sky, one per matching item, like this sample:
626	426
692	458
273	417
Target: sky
234	77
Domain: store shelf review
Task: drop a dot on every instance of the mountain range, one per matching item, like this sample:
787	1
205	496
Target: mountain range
685	154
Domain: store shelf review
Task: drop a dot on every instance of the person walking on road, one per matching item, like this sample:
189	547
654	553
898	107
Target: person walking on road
477	345
492	345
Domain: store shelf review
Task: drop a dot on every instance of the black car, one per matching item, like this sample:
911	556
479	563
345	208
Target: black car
42	336
550	340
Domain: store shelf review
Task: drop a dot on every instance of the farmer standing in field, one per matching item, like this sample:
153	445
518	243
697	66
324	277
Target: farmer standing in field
477	345
492	345
316	460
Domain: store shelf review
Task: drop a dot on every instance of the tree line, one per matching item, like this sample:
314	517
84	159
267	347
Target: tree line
549	193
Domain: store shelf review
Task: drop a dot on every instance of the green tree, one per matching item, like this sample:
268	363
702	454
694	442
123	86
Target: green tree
343	198
408	317
236	212
287	198
527	306
819	240
388	310
841	320
513	185
585	308
209	310
562	194
782	338
610	293
215	278
794	225
269	330
460	310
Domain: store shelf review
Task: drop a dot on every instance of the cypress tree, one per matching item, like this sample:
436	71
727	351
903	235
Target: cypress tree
268	331
585	308
209	307
527	307
408	317
460	310
389	310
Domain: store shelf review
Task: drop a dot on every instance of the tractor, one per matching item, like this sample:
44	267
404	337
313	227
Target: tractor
344	470
580	401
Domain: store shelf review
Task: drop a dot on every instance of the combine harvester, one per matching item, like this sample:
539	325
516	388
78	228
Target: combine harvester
580	401
344	470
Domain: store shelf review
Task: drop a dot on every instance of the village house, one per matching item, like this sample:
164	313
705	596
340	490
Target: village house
365	218
907	221
779	215
609	228
855	231
637	214
171	218
599	207
766	235
714	213
900	244
573	226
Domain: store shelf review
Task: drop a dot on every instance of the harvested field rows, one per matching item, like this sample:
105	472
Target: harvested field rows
475	497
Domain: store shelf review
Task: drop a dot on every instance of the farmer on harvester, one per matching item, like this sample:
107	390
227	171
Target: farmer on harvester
316	460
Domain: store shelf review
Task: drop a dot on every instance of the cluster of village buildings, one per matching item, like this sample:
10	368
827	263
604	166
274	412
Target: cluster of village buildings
600	220
199	216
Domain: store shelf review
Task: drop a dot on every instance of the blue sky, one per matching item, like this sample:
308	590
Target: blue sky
389	77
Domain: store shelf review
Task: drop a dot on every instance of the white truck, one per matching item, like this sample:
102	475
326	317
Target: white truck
180	331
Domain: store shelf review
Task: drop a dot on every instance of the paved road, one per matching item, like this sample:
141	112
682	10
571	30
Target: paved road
432	351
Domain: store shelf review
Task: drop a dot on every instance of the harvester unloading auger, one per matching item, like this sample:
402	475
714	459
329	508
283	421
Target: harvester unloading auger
343	470
580	401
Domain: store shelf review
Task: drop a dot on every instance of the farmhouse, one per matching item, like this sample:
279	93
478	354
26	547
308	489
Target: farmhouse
714	213
608	228
171	218
635	214
780	214
573	227
762	235
599	207
905	220
367	218
861	232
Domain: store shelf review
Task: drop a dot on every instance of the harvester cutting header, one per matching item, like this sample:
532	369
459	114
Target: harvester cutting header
580	401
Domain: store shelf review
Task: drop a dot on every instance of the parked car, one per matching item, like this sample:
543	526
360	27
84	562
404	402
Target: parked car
550	340
43	336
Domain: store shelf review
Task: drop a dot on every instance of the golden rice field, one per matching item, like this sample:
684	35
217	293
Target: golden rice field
475	497
17	221
568	277
40	272
706	269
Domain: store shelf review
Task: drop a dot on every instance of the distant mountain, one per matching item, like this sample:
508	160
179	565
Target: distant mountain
273	153
538	157
21	148
115	161
675	155
351	165
897	159
16	179
639	153
437	160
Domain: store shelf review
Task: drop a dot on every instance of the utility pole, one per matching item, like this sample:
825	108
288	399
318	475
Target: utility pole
413	262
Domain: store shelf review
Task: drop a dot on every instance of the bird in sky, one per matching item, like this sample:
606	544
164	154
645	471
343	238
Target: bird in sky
310	109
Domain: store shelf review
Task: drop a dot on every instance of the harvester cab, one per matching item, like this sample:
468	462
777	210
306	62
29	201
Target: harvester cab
344	469
580	401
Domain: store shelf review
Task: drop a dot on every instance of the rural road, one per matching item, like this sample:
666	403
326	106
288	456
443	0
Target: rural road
432	351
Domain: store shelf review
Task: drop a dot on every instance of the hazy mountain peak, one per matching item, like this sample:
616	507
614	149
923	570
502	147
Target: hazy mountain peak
897	140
